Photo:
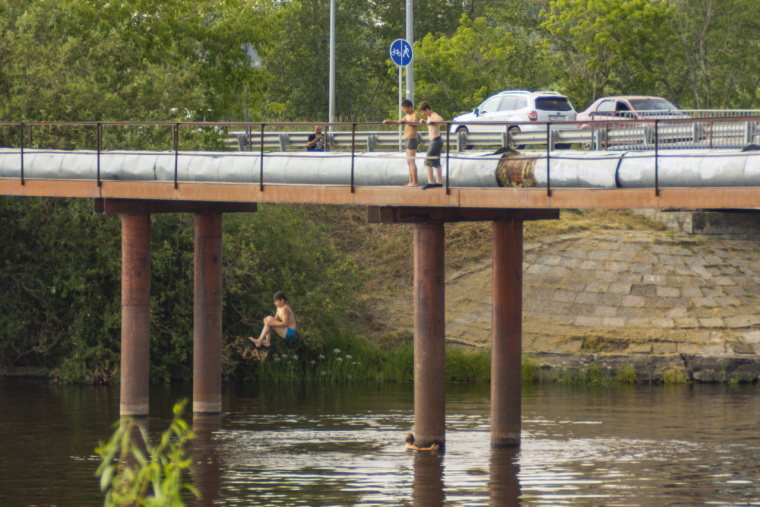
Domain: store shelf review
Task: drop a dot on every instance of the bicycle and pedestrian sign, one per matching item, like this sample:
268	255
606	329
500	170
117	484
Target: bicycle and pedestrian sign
401	52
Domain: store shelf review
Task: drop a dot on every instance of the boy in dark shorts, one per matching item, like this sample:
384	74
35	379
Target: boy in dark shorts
411	121
433	156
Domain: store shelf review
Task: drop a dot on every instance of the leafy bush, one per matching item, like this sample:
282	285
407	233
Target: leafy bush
60	285
133	471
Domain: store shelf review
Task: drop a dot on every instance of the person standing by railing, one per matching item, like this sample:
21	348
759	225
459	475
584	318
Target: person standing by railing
433	157
317	141
410	120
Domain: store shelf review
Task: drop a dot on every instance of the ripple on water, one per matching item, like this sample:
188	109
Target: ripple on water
645	446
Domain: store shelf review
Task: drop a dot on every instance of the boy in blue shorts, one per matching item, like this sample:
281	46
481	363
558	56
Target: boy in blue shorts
283	322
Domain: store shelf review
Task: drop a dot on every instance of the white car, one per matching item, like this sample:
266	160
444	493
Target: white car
517	106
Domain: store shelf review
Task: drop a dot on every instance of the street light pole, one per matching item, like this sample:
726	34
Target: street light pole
331	106
410	40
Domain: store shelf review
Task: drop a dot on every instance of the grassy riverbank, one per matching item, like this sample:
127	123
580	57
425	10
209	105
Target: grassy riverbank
347	358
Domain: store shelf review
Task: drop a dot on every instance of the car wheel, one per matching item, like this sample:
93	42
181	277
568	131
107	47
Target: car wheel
513	130
464	129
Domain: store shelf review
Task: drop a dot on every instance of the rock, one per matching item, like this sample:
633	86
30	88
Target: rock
722	369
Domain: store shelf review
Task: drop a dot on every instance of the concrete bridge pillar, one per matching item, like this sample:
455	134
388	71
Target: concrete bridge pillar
207	314
135	314
506	333
429	334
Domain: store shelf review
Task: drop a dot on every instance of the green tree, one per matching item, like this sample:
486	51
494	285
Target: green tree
719	41
60	285
364	31
300	59
58	279
612	47
95	60
456	73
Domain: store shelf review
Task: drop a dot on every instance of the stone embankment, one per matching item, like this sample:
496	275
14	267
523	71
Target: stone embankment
663	303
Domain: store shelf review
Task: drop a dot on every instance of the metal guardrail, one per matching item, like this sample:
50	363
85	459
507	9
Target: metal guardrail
650	134
704	129
283	141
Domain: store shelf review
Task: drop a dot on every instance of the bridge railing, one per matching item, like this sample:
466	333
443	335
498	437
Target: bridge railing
168	138
682	131
693	129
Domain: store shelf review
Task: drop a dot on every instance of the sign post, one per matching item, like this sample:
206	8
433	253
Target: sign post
401	54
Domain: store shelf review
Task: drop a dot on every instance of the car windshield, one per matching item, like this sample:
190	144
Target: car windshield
553	104
652	105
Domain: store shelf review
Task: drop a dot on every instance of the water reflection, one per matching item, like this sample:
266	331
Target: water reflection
503	485
207	467
428	479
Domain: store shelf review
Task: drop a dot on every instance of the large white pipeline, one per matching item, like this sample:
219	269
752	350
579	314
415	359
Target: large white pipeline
636	169
331	168
566	168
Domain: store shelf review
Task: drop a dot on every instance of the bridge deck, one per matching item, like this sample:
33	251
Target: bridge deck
507	198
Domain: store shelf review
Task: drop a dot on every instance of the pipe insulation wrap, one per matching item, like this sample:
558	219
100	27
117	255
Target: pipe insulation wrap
636	169
690	168
566	168
476	169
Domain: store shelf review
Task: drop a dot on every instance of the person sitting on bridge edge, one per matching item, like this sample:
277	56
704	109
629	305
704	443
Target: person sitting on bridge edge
411	121
409	439
433	158
283	322
317	141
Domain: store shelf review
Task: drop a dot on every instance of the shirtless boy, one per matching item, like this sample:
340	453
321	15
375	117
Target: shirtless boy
283	322
409	439
411	121
433	158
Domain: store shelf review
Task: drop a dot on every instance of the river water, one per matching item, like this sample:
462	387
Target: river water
343	445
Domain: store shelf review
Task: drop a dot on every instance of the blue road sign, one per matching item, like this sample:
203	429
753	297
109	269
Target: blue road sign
401	52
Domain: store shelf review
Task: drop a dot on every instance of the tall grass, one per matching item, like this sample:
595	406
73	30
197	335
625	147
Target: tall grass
344	357
592	374
464	365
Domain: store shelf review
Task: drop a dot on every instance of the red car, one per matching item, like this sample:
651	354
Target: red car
628	107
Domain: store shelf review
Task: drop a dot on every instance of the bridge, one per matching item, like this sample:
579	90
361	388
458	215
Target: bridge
501	186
